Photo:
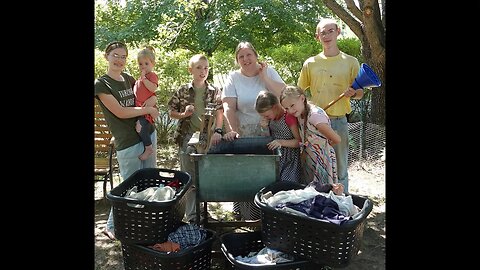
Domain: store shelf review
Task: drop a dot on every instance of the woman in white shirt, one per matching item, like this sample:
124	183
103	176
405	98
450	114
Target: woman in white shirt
241	89
239	94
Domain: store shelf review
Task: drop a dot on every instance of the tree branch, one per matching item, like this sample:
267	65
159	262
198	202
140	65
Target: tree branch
383	14
353	23
177	34
379	15
354	9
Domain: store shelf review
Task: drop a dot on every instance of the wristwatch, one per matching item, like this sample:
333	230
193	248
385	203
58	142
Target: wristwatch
219	131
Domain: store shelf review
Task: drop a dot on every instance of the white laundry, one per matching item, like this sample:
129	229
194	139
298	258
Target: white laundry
265	256
151	194
292	196
345	203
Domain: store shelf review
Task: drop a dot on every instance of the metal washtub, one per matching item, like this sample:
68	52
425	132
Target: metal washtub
235	171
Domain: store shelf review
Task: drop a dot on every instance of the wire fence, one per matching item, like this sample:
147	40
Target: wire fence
366	142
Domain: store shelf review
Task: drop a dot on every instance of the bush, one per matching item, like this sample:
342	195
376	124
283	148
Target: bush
289	59
222	62
351	46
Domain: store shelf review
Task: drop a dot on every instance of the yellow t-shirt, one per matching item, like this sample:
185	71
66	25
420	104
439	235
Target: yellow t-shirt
327	78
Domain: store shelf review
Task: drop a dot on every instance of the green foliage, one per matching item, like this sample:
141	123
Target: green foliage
351	46
265	23
222	62
289	59
172	70
135	22
165	126
101	64
207	25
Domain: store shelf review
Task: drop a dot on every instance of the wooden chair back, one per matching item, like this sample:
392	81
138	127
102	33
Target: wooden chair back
219	80
105	162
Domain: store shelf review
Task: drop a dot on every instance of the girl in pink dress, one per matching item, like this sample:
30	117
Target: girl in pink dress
318	138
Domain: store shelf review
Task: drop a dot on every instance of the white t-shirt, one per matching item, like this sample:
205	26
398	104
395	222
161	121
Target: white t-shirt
245	90
317	116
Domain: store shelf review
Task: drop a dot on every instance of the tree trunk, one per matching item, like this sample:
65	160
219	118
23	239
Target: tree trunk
378	97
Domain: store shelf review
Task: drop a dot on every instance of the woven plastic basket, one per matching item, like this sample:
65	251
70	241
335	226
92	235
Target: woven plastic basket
144	222
139	257
241	244
319	241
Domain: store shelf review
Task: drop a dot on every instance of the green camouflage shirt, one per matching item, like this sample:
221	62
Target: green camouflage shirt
185	96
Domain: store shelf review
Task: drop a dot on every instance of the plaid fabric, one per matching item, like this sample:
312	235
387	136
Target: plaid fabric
188	235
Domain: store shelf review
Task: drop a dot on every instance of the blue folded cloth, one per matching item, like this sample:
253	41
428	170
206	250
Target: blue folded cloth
188	235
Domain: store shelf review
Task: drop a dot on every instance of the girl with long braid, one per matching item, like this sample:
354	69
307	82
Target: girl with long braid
318	138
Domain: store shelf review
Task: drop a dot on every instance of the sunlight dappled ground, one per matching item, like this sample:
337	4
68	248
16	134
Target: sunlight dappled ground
366	179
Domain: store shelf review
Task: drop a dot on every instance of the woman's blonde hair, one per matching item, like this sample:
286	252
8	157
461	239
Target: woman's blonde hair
244	45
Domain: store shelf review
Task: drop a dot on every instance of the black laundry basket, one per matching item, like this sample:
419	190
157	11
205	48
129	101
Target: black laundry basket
241	244
319	241
143	222
139	257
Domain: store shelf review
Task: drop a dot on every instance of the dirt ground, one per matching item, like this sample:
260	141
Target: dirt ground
365	179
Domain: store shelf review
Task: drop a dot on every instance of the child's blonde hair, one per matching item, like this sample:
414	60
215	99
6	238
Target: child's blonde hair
195	59
148	52
265	101
295	92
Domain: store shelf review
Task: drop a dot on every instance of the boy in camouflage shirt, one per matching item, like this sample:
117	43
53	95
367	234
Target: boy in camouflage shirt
188	105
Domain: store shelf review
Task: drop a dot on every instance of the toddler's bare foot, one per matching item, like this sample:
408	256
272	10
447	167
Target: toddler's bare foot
146	153
338	188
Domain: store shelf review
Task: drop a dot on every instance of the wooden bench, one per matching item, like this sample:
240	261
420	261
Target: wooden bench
219	80
105	162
